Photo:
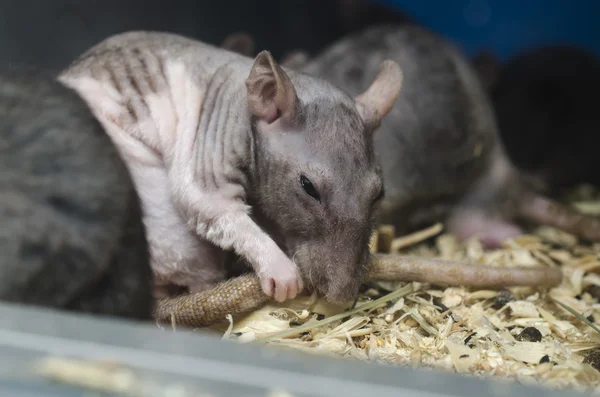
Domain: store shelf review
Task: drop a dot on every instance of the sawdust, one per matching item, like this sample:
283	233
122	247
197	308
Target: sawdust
520	333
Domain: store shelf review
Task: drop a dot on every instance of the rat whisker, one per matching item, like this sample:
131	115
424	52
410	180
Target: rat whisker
294	257
310	279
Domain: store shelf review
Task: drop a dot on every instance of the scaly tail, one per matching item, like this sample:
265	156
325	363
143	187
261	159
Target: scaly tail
545	211
390	267
243	294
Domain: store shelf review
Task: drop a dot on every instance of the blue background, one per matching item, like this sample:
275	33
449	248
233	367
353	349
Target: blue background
507	26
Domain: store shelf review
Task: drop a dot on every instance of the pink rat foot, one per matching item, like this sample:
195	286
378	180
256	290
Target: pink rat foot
490	231
281	280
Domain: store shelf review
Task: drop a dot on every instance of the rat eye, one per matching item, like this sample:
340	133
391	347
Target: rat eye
381	194
309	188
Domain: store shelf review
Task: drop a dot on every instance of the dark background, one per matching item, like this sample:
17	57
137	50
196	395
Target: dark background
50	33
53	32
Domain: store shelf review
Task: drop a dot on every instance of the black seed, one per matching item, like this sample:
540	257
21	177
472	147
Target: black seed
468	338
594	291
464	356
440	306
593	358
529	334
590	318
545	359
502	299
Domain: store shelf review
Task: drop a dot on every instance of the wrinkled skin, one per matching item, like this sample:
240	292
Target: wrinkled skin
233	154
326	234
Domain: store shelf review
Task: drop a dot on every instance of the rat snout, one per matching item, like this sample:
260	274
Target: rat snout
334	267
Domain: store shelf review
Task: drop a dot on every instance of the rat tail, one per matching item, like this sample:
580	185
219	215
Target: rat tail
394	267
543	210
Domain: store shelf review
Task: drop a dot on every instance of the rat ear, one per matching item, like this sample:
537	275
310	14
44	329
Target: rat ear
379	98
271	94
242	43
295	59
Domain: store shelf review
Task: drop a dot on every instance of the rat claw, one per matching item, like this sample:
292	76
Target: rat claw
284	281
280	293
292	291
268	286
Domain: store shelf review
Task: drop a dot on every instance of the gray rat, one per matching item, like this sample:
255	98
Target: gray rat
543	100
72	235
234	154
439	148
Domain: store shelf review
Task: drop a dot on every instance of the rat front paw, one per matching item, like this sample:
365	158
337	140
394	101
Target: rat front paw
281	281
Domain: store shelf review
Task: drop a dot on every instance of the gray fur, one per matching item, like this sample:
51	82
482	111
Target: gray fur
71	235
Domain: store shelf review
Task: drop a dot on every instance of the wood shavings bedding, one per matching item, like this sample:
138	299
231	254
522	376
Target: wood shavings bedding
517	333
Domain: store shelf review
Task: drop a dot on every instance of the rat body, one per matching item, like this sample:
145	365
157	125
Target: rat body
72	235
234	154
439	147
548	122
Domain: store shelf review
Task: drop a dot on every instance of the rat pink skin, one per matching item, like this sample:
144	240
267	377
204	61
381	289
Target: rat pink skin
195	125
492	233
182	198
174	248
487	211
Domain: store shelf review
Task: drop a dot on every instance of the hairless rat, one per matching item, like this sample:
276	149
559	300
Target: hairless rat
72	235
439	148
234	154
546	118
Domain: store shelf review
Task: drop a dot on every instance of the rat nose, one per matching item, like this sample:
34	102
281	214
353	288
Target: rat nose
334	263
348	264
